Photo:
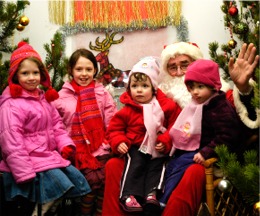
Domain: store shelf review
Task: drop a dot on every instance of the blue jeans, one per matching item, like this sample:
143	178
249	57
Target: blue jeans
174	172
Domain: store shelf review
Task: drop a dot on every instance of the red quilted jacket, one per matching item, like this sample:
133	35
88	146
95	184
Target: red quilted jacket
127	125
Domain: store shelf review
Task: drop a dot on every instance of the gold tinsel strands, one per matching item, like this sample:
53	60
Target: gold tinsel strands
90	17
120	17
175	12
71	13
137	18
86	14
156	11
119	14
57	12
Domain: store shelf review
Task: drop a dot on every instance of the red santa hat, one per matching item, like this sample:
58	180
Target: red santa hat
204	71
24	51
149	66
180	48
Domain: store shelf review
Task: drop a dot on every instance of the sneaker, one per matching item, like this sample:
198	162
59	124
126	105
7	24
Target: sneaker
130	204
152	206
151	199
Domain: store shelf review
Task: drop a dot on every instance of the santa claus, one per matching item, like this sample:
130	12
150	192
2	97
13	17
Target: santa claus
187	196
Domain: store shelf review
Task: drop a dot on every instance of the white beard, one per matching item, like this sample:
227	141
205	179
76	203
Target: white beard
175	88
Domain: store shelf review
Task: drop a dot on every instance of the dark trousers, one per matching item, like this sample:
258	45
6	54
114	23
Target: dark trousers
142	174
174	172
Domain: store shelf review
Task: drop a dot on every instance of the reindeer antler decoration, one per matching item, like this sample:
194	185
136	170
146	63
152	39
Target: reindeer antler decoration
106	43
107	70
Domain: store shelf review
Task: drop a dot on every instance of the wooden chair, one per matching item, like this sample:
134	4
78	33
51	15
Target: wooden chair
211	184
219	203
230	203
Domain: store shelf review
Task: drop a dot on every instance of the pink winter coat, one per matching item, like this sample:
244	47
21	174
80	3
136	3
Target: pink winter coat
67	103
32	136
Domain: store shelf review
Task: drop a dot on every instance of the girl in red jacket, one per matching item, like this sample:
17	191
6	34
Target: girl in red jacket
139	131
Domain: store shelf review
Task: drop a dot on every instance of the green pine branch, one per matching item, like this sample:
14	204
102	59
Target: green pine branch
244	28
9	18
244	176
10	13
55	60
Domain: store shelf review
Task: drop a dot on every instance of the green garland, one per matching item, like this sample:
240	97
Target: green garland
182	30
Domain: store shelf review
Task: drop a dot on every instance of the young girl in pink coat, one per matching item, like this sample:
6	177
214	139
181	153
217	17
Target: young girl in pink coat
86	108
139	131
33	137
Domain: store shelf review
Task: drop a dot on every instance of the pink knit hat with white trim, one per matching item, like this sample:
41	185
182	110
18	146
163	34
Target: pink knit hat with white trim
24	51
149	66
204	71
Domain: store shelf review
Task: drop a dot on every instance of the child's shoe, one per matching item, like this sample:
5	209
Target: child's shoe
152	206
130	204
151	199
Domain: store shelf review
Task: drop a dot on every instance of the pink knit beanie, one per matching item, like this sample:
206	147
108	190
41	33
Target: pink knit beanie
24	51
149	66
204	71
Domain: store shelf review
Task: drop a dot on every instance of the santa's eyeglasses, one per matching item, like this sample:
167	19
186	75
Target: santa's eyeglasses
174	68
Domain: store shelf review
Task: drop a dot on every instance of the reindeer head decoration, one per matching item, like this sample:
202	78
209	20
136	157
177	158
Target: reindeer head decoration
107	71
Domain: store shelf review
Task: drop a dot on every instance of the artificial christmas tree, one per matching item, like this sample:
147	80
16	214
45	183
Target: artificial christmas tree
241	19
55	60
11	19
243	24
244	175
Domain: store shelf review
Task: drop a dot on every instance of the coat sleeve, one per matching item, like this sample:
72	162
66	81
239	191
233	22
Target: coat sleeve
249	115
116	130
62	137
171	114
109	107
58	105
13	148
226	126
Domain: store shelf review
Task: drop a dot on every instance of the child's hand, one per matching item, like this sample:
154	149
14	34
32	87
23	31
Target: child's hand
198	158
160	147
68	152
122	148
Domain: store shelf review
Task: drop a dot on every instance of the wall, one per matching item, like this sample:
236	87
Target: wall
205	24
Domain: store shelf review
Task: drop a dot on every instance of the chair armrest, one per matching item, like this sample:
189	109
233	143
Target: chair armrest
209	162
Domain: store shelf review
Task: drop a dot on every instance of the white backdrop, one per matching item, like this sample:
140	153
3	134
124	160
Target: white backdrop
205	24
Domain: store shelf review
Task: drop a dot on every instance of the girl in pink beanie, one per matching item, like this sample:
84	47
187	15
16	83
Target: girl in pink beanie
33	137
209	120
139	131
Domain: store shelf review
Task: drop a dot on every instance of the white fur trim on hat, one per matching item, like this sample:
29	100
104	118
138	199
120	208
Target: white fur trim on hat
186	48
